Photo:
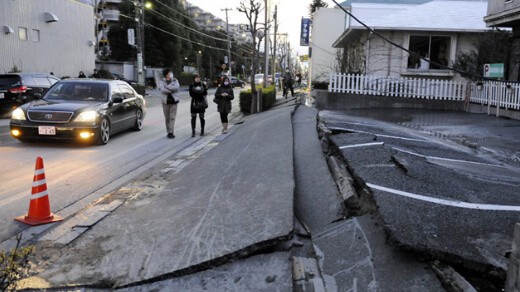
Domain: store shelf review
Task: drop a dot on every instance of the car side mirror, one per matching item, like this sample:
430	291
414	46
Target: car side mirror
37	96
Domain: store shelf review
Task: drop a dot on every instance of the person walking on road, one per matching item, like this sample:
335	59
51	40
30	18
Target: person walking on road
82	75
288	83
199	103
223	97
169	87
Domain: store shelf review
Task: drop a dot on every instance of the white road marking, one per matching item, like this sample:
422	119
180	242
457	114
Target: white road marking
377	135
447	159
457	204
362	145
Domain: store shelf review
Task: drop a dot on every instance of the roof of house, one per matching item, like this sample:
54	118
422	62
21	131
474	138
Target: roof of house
349	2
437	15
431	16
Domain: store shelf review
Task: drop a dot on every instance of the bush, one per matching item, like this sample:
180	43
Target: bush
268	99
320	85
141	89
105	74
185	78
14	265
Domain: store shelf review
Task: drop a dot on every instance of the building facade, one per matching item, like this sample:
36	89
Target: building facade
506	13
327	26
433	33
47	36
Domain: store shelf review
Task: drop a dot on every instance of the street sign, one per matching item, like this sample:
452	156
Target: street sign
131	36
305	29
495	70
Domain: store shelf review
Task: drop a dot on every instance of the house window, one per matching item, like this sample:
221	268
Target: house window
36	35
434	48
22	33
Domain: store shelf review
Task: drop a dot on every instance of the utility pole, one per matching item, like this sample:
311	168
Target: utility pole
266	43
228	40
275	17
139	17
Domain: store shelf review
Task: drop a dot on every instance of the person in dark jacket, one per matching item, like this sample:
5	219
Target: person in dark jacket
82	75
288	83
198	92
223	97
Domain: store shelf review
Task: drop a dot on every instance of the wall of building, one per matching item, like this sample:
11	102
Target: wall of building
387	60
502	12
327	26
65	47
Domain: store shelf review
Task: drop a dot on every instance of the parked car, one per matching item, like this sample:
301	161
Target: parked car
90	110
19	88
235	82
122	78
259	78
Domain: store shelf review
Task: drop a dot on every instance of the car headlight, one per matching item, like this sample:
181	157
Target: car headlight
88	116
18	114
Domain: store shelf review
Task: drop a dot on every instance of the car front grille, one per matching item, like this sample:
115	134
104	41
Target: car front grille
49	117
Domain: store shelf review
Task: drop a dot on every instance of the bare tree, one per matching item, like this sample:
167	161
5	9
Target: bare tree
282	51
252	9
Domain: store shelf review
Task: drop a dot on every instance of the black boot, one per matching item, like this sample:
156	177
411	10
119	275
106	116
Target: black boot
193	123
202	123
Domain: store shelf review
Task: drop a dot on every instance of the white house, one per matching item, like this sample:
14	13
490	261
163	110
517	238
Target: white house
436	30
47	36
327	26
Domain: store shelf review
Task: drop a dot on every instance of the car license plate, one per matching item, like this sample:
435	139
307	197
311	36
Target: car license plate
2	95
46	130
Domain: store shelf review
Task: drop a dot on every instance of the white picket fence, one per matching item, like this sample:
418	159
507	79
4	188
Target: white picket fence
402	87
491	93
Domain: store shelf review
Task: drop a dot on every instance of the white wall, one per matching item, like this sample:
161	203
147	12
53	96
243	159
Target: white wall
64	45
327	26
389	61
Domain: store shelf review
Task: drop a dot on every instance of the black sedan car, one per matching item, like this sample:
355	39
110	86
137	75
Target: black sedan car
235	82
19	88
88	110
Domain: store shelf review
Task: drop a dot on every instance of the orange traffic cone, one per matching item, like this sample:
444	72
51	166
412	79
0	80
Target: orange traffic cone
39	207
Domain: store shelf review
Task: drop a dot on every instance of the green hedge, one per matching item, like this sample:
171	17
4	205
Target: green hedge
185	78
141	89
268	99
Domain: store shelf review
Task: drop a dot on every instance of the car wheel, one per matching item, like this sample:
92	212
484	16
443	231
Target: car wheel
138	121
103	132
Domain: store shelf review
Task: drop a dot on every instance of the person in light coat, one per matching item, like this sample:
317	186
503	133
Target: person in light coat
169	87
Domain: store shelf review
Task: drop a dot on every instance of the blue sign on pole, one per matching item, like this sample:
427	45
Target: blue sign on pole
305	29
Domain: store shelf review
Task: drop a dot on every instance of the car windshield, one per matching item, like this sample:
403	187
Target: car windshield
78	91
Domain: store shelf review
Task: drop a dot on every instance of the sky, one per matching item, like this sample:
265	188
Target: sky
290	13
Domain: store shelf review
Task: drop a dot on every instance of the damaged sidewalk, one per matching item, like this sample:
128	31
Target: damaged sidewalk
254	210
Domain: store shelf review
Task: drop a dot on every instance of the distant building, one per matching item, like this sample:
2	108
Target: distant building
106	13
47	36
210	22
327	26
506	13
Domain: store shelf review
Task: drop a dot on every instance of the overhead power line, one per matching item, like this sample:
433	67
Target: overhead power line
181	37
